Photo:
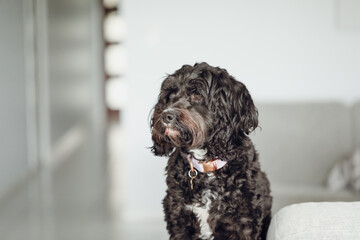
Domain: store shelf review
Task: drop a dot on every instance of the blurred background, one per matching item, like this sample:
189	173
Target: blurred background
80	77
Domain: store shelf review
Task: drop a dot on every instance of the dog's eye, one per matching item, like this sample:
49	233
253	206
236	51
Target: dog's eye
191	90
195	97
170	96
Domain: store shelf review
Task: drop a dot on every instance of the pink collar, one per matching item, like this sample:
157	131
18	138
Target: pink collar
206	166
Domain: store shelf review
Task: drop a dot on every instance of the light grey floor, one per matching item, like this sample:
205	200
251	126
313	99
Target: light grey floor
79	199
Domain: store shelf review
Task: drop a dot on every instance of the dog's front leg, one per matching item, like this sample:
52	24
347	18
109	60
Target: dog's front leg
233	228
181	222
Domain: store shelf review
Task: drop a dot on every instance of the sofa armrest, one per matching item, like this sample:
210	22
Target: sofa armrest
320	221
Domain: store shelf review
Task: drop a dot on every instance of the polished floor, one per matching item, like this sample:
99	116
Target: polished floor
79	199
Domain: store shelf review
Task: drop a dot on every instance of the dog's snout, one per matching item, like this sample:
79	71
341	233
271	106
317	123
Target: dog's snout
168	117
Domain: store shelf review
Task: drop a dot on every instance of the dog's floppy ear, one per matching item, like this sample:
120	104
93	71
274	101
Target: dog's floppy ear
233	103
245	113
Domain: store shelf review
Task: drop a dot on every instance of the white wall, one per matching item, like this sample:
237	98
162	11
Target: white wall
71	65
51	77
13	122
282	50
70	88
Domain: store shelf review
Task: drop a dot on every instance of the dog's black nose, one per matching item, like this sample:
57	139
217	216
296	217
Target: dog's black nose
168	117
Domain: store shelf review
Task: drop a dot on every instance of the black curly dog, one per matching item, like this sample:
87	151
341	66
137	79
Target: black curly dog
202	119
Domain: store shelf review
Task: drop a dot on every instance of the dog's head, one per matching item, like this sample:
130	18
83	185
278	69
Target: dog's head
201	106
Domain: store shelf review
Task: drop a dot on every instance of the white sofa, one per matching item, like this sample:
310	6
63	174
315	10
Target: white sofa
298	145
316	221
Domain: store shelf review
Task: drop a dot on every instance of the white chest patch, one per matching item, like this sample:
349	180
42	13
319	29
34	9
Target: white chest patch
202	213
199	153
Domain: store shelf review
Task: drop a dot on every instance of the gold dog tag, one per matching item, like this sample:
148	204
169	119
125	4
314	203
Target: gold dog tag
192	174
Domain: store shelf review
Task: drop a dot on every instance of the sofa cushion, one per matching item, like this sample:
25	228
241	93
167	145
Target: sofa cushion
284	195
299	142
318	221
346	174
356	111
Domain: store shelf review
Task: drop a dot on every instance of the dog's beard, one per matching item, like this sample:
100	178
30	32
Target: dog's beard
189	129
171	132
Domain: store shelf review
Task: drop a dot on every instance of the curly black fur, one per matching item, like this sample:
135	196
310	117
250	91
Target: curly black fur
203	107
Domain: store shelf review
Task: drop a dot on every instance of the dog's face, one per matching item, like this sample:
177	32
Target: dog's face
201	107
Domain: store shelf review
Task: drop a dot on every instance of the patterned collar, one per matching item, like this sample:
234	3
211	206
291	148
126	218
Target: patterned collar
206	166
